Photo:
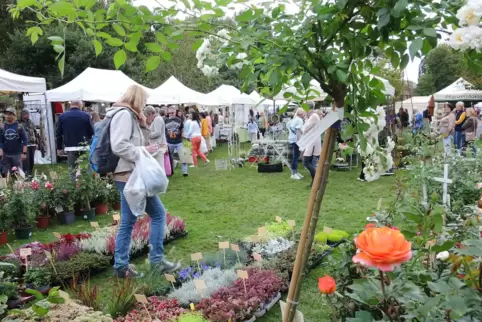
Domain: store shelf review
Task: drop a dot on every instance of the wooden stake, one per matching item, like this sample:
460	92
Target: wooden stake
316	196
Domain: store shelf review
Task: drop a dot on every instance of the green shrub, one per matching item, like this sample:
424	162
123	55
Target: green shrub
81	263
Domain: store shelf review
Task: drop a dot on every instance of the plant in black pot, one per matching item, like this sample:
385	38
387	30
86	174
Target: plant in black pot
21	206
84	191
64	195
38	279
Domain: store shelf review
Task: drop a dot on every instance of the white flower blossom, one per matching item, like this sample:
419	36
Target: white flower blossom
469	15
209	71
223	33
443	255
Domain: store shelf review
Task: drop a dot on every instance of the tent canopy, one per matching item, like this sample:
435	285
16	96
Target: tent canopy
173	91
418	103
13	83
95	85
460	90
229	95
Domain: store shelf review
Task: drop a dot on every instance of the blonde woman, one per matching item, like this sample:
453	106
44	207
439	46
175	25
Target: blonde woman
129	134
295	127
262	123
312	150
469	129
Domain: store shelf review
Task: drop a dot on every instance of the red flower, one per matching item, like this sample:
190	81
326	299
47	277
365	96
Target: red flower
69	238
394	228
34	185
49	185
327	285
371	225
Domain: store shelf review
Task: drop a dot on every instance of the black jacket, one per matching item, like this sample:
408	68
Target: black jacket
74	129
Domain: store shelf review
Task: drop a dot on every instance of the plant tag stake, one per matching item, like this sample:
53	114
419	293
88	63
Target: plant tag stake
235	248
261	230
224	246
197	257
200	286
141	298
57	235
170	278
379	205
24	253
292	224
278	218
59	209
3	183
53	175
257	257
327	230
8	177
11	249
95	225
244	276
116	218
479	185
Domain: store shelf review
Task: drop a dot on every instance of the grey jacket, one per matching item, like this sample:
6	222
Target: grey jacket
126	139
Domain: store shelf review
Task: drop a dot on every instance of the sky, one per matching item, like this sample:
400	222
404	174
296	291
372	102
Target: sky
411	71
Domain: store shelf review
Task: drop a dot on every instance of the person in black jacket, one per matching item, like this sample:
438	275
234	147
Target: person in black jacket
74	132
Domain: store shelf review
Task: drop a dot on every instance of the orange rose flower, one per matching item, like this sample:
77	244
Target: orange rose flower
327	285
382	248
371	225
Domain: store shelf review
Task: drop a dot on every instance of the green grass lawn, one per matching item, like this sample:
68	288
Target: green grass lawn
221	205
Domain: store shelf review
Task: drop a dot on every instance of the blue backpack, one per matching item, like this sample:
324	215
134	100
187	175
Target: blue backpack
102	159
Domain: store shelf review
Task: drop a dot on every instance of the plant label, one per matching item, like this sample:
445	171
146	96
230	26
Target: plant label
59	209
170	278
24	252
57	235
298	315
291	223
479	185
193	308
48	254
3	183
200	285
196	256
53	175
278	218
223	245
261	230
254	239
257	257
242	274
64	295
235	247
95	224
116	217
141	298
327	230
379	206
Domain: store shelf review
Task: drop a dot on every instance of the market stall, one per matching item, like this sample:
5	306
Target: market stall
172	91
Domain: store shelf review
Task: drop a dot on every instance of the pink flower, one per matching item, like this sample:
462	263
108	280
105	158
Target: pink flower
66	191
49	185
34	185
418	233
14	169
44	205
394	228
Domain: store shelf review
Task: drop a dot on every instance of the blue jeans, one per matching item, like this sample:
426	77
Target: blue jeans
311	163
156	211
177	147
296	156
459	140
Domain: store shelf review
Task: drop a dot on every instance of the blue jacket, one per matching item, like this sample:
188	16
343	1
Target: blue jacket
74	129
12	139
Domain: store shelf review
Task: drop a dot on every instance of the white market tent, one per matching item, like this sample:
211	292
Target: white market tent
172	91
13	83
418	103
230	95
263	104
94	85
460	90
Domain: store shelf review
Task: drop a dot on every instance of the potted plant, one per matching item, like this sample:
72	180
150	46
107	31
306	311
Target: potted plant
5	220
44	200
84	192
38	278
64	196
21	207
114	196
100	196
267	167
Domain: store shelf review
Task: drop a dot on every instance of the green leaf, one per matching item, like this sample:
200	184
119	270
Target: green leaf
35	293
341	4
56	39
104	35
62	8
399	7
120	58
34	37
116	42
455	283
40	310
172	46
404	61
131	46
429	305
61	64
245	16
197	44
56	299
439	287
166	56
153	47
119	29
361	316
161	37
445	246
415	47
341	75
152	63
383	17
97	46
430	32
59	49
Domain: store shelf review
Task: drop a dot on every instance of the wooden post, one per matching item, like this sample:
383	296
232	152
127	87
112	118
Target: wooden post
325	167
314	203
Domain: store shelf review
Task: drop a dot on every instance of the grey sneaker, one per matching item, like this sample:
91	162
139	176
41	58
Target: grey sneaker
166	267
128	272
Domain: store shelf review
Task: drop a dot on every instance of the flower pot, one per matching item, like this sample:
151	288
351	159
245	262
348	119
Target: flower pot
3	238
116	206
101	209
42	222
78	211
88	214
23	233
270	168
66	218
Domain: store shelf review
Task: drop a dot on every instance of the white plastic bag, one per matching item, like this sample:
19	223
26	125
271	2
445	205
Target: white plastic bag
204	147
148	179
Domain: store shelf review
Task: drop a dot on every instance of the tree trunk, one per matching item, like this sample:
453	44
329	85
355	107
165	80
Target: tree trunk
311	219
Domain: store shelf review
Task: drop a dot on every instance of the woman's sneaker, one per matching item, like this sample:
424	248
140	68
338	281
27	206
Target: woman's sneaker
166	267
295	177
128	272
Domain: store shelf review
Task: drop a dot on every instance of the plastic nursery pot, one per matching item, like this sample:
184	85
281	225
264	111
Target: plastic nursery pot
116	206
3	238
66	218
23	233
88	214
101	209
78	211
42	222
